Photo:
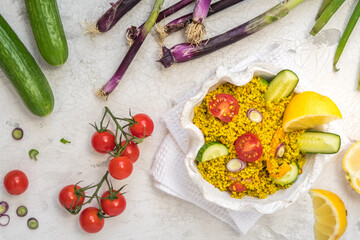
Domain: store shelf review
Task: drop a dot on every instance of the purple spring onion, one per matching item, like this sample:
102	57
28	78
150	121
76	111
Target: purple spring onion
4	220
113	15
134	48
32	223
17	133
254	115
235	165
21	211
185	52
132	32
4	206
183	21
195	31
280	150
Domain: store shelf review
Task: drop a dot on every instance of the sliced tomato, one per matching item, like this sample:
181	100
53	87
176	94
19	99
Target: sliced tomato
224	107
237	187
248	147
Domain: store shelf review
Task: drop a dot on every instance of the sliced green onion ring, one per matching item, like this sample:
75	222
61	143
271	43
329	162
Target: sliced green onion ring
21	211
33	223
17	133
4	220
4	206
33	153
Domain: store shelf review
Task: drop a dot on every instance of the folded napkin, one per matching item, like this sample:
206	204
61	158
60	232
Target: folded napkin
169	171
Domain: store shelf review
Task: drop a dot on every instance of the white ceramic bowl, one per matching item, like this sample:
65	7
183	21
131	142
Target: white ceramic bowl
280	199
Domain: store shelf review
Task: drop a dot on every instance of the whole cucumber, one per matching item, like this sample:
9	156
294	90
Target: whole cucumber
24	73
48	30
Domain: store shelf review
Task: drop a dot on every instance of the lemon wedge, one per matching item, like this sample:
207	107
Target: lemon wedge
309	109
330	215
351	165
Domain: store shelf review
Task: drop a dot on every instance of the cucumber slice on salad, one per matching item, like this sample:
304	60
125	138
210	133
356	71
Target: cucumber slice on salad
211	150
289	177
282	85
319	142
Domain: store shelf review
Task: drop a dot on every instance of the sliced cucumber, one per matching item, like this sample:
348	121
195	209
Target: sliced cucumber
282	85
210	151
319	142
289	177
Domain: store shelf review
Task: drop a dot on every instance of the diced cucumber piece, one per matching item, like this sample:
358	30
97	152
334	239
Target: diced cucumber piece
282	85
210	151
289	177
263	81
319	142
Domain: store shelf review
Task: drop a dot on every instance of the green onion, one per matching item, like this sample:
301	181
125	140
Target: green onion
323	6
134	48
345	36
21	211
33	223
325	16
64	141
33	153
17	133
185	52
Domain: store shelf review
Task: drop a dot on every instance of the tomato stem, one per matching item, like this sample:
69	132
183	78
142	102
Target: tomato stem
79	193
120	132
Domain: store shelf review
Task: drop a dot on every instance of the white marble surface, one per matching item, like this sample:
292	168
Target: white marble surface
149	88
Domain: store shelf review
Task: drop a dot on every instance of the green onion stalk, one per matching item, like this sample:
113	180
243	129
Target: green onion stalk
323	6
134	48
185	51
345	36
326	15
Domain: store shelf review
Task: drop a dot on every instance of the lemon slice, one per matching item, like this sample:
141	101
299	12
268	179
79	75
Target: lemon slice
330	215
351	165
309	109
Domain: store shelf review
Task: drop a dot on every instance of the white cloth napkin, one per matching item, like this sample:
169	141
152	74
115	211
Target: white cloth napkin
169	171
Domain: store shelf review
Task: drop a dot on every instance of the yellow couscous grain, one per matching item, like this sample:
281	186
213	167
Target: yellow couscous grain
255	177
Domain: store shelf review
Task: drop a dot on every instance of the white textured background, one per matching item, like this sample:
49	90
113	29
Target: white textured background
148	87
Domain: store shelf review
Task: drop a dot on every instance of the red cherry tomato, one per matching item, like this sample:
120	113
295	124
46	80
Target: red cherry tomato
248	147
103	142
114	207
237	187
224	107
131	151
16	182
120	167
69	199
90	221
143	122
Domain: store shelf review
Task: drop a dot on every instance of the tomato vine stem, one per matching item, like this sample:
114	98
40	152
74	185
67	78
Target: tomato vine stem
120	132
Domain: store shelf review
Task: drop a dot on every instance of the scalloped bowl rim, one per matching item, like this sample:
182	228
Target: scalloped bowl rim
280	199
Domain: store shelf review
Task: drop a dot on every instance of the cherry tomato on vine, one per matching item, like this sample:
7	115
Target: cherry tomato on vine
131	151
120	167
69	199
90	221
16	182
103	142
248	147
114	207
143	122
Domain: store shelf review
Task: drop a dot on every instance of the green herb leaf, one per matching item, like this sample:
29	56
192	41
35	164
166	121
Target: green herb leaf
33	153
64	141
